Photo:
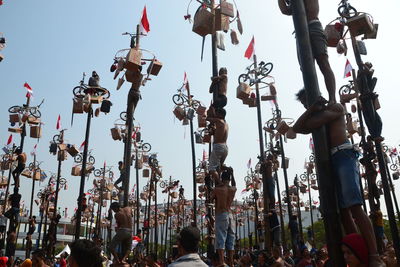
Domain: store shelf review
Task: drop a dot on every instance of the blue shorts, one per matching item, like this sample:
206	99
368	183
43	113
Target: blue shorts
347	177
224	231
218	156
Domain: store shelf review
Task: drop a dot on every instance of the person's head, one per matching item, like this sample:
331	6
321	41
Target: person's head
38	258
188	240
34	218
94	73
115	207
120	164
262	258
225	177
220	113
287	253
301	96
222	71
27	263
84	253
355	250
305	253
277	252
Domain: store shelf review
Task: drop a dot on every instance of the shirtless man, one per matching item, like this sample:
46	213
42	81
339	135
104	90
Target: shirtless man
277	255
318	42
224	223
345	167
220	149
123	236
21	160
219	87
134	93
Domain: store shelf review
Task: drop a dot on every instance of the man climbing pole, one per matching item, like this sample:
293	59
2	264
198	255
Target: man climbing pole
223	194
220	149
345	167
21	160
318	42
219	87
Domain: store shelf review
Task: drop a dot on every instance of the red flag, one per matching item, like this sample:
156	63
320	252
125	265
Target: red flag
347	69
250	50
311	144
185	81
9	141
28	89
204	155
144	22
58	126
134	135
82	146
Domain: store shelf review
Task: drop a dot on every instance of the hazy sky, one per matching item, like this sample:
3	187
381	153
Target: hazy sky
50	44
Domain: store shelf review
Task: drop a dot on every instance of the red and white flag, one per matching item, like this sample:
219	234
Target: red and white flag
250	50
144	23
29	90
134	135
249	164
9	141
82	146
185	81
34	150
204	155
58	125
347	69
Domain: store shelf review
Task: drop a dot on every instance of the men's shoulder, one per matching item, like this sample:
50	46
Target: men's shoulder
336	107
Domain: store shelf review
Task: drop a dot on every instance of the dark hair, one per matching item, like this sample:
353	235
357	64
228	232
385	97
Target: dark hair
39	253
189	239
114	205
225	176
120	162
300	94
221	112
86	253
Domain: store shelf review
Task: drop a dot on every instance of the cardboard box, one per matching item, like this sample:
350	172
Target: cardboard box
15	130
361	24
221	21
36	131
203	22
133	60
154	67
77	105
76	171
243	91
227	9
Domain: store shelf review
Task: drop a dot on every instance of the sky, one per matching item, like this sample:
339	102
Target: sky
51	43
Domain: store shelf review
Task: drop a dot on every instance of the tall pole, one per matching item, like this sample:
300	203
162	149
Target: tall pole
128	142
284	167
194	173
33	185
311	209
267	237
57	191
329	204
137	193
155	219
296	183
166	223
256	218
281	212
83	175
371	115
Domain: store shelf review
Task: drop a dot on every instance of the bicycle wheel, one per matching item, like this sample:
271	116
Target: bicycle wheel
15	109
266	69
35	112
146	147
178	99
347	12
244	78
78	91
63	181
123	116
303	177
393	167
78	158
31	166
97	172
162	184
91	160
57	138
312	158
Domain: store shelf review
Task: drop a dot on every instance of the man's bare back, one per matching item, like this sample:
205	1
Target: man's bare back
312	9
221	131
224	196
124	218
337	128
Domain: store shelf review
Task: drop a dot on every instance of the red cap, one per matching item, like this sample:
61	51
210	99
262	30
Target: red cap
357	245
